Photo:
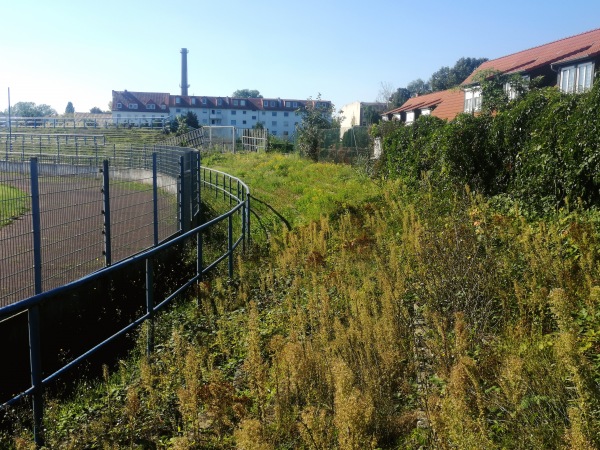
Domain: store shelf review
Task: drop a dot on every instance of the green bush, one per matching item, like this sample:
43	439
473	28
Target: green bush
542	149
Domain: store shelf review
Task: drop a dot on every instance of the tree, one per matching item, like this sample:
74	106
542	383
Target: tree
70	109
418	87
371	115
385	93
95	110
191	120
247	93
316	116
446	77
30	109
398	98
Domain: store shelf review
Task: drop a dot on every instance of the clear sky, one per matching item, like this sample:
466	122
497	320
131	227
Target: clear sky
53	52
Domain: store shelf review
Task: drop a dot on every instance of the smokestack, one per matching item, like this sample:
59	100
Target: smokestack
184	84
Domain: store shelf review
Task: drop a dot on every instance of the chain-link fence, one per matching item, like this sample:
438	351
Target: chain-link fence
70	209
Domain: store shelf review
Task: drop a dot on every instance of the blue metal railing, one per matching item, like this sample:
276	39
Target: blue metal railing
229	187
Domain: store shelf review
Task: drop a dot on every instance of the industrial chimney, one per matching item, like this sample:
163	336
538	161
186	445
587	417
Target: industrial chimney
184	83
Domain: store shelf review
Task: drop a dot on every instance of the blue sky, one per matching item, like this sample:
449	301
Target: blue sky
59	51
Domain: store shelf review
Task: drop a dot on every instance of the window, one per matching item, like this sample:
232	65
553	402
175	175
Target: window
286	124
263	113
243	102
193	101
133	106
265	103
178	100
244	122
204	101
151	106
236	102
295	104
233	113
244	112
204	111
178	110
233	122
274	114
163	106
577	78
286	133
218	111
274	123
288	104
119	105
253	117
274	133
472	100
286	114
273	103
219	102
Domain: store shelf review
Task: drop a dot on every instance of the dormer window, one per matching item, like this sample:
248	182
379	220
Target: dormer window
151	106
243	102
577	78
472	100
204	101
193	101
219	102
265	103
163	106
119	105
133	106
236	102
178	100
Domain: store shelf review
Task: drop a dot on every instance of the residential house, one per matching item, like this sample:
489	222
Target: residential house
279	116
443	104
568	63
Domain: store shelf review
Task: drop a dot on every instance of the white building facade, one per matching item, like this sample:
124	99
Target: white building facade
279	116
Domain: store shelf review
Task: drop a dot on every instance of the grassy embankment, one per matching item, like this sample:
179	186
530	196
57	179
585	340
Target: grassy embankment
383	319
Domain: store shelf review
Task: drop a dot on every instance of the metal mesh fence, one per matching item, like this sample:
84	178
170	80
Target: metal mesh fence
64	194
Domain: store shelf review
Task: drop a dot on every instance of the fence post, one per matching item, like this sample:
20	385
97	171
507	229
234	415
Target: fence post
248	217
150	305
106	213
33	314
155	197
185	192
230	243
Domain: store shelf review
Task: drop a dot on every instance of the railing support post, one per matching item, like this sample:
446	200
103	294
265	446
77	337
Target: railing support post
230	243
106	213
35	354
150	305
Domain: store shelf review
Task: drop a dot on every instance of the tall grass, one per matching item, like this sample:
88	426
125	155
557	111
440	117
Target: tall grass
380	320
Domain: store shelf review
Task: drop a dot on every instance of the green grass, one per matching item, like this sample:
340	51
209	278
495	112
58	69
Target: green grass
13	203
298	189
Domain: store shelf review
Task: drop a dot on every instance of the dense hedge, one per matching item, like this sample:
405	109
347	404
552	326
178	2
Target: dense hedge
542	149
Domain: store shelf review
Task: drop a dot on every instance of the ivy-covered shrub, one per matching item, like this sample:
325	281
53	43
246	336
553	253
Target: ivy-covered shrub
542	149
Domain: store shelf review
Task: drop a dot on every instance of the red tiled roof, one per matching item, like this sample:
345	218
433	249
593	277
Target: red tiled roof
446	104
584	45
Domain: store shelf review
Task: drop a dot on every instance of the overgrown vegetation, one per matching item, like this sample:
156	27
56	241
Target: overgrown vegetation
452	303
542	150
